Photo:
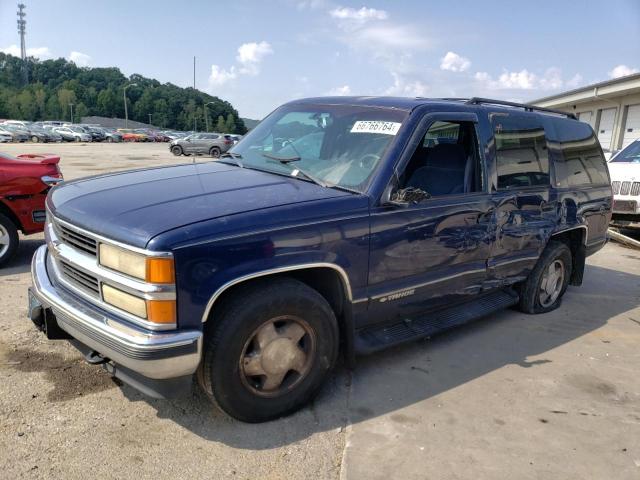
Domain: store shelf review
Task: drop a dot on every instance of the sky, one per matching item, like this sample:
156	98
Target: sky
259	54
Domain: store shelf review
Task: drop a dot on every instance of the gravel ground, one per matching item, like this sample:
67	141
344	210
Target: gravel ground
61	418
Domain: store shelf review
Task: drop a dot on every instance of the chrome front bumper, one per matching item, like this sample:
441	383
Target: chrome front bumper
155	355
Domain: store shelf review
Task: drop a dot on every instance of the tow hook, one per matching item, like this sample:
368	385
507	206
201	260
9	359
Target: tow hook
94	358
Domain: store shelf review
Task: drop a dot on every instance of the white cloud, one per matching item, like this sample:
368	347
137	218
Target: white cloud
575	81
80	59
622	71
250	55
552	79
360	16
340	91
526	80
310	4
42	53
454	62
249	58
220	76
407	87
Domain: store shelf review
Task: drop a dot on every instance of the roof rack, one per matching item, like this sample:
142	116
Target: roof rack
526	107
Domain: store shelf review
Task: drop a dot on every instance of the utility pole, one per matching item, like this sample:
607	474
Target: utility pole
150	119
124	95
22	28
71	108
195	128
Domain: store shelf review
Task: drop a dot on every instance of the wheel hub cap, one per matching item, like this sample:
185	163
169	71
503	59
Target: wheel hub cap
278	356
4	240
552	283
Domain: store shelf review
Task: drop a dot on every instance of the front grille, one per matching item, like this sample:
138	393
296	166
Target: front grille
624	189
616	187
77	240
80	278
635	188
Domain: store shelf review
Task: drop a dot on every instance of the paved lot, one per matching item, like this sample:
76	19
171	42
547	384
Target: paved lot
513	396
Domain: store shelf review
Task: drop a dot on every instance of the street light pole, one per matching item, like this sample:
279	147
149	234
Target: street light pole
124	95
71	108
206	117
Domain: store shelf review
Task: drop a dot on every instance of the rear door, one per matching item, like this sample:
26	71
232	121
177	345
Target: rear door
524	208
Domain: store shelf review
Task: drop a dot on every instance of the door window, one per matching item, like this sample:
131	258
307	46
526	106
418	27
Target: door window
446	162
522	158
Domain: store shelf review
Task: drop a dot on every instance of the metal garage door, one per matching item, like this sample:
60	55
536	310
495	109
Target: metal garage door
605	129
585	117
632	126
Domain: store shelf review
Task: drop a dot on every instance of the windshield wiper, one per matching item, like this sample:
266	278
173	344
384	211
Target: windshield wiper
235	156
296	170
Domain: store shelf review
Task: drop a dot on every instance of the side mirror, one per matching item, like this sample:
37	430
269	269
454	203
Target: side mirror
389	197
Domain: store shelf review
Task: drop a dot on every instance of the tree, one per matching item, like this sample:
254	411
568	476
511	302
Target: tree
98	91
65	97
221	125
230	124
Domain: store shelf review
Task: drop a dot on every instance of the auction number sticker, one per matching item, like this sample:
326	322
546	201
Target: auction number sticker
373	126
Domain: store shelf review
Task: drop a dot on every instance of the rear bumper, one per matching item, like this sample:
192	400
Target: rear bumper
154	355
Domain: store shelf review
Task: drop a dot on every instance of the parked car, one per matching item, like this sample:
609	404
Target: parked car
18	133
213	144
625	176
129	135
73	134
97	135
112	135
5	137
25	181
37	134
352	223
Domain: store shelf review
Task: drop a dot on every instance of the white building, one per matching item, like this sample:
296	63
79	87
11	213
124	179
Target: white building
612	108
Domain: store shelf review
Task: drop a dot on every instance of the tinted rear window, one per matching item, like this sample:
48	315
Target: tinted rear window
521	151
580	161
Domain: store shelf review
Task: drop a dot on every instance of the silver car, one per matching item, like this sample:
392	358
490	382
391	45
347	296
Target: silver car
213	144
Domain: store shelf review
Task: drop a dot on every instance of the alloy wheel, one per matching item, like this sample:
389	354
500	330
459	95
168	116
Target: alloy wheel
552	283
278	356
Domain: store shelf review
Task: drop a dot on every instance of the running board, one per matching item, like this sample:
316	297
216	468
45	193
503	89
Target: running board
372	339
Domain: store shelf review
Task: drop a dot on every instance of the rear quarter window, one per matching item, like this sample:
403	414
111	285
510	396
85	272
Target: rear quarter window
579	160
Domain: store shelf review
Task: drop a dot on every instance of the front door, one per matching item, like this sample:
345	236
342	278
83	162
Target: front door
432	251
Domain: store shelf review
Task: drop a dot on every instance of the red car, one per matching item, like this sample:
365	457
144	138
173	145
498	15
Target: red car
25	181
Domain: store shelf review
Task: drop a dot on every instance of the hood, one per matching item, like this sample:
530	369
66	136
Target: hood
624	171
133	207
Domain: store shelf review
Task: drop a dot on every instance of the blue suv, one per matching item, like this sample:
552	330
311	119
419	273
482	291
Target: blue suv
336	226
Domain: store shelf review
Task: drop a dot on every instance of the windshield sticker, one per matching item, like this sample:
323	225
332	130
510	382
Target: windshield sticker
369	126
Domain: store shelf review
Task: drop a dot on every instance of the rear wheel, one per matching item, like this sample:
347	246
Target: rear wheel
77	139
269	351
547	282
176	150
109	139
35	139
214	152
8	239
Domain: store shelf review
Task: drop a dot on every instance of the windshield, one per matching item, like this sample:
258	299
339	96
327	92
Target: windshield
630	154
337	145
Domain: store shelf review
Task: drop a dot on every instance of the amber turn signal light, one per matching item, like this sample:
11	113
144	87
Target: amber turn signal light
160	270
161	311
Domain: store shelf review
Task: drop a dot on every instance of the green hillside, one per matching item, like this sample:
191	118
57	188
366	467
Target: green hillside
54	84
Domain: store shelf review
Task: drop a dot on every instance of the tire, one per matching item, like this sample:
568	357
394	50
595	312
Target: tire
533	298
35	139
177	150
77	139
8	239
214	152
230	343
109	140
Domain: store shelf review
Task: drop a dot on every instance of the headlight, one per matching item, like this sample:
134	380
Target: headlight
149	269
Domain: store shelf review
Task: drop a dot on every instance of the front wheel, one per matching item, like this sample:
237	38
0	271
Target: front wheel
269	351
214	152
8	239
176	150
35	139
543	289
